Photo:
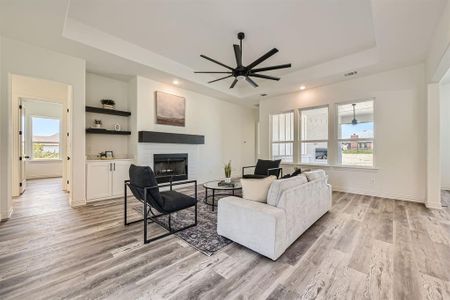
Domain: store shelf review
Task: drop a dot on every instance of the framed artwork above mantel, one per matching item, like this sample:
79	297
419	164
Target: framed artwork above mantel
170	109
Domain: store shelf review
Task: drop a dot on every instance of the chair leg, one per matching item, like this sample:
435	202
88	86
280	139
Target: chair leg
196	214
145	219
125	205
170	225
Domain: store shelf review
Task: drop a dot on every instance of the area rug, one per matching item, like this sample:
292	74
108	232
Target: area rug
202	237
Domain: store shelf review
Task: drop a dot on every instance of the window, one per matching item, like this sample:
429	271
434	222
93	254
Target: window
355	125
314	135
283	136
45	138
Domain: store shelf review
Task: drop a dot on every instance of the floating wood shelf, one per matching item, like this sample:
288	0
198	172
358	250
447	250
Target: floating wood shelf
106	131
107	111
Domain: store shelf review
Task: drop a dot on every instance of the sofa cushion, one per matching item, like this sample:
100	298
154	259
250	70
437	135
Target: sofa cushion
174	201
263	165
315	174
256	189
278	186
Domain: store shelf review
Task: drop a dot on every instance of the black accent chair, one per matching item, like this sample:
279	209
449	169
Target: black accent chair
145	188
264	168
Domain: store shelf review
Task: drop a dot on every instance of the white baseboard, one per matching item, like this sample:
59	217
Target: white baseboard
408	198
433	205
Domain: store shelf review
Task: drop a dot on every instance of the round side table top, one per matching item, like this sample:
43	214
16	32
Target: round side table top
215	185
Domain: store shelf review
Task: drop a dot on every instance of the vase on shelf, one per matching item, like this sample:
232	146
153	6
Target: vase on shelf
228	180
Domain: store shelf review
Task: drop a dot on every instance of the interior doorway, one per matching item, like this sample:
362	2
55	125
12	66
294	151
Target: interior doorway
444	132
41	128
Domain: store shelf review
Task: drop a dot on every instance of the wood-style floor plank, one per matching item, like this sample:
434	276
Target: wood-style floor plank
364	248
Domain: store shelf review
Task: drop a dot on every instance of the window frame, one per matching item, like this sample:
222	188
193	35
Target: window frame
293	141
339	140
32	158
301	141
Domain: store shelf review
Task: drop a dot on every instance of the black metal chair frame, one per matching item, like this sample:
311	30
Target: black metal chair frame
149	215
270	171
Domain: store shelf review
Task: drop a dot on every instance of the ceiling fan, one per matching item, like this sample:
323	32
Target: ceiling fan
354	121
241	72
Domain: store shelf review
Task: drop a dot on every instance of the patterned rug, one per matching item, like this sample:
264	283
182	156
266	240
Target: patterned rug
202	237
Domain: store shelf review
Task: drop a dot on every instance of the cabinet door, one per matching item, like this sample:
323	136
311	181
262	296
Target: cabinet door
120	174
98	180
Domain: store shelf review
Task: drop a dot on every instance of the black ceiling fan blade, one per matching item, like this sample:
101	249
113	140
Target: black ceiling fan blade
264	76
208	72
238	55
272	68
249	80
234	83
217	62
221	78
262	58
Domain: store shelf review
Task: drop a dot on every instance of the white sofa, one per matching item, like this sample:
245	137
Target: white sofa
293	205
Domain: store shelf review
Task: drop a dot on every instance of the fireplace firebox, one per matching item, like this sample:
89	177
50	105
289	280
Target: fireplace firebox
170	166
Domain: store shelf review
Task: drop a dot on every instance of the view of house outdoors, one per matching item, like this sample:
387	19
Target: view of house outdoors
45	138
355	134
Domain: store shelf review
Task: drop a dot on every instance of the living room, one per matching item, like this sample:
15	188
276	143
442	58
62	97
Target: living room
265	155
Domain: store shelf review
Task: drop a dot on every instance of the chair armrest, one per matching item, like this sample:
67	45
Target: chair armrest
171	184
247	167
279	169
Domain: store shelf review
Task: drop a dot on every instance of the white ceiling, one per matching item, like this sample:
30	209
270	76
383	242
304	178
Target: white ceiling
163	39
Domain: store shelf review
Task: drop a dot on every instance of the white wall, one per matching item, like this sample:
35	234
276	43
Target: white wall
445	135
24	59
400	131
229	131
35	169
98	88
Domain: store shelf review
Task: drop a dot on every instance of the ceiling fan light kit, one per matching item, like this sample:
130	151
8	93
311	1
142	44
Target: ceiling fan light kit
241	72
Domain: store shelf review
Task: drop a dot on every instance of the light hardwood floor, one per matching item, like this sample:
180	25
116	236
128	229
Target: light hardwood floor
364	248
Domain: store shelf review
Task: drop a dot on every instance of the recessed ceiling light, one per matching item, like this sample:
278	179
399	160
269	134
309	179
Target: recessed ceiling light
175	82
302	87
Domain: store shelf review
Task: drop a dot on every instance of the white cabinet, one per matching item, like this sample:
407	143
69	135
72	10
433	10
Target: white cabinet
120	174
104	179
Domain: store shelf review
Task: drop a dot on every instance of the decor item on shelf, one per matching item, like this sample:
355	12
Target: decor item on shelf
242	72
102	155
117	127
98	123
170	109
109	154
227	170
108	103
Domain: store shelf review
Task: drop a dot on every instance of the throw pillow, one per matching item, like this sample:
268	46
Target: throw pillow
279	186
256	189
316	174
295	173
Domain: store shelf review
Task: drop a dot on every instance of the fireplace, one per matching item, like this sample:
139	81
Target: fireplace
168	166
